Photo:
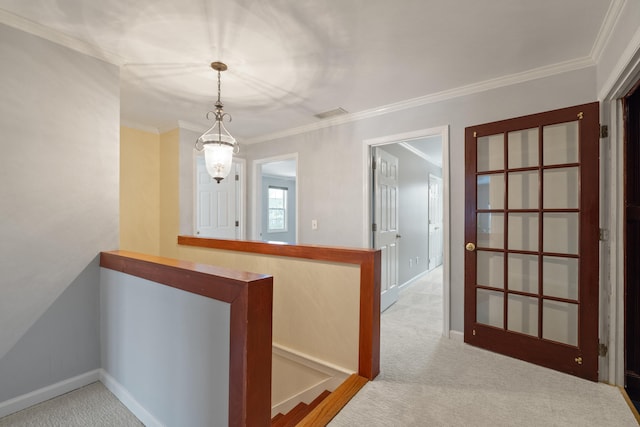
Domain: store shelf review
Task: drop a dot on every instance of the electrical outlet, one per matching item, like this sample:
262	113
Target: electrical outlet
410	262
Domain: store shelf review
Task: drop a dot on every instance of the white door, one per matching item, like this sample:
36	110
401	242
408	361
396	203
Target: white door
216	204
385	228
435	221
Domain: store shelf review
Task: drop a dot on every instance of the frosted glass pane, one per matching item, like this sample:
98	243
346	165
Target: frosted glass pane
523	231
490	230
560	322
560	188
490	308
490	153
522	314
490	269
560	277
560	143
491	191
522	273
560	233
523	148
523	190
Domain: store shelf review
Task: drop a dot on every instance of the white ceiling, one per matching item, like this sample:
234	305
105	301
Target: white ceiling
291	59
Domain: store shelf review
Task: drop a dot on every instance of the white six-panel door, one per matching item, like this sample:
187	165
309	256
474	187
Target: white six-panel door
386	223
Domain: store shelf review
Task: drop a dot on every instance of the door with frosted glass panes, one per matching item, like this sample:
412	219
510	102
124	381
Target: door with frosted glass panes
531	230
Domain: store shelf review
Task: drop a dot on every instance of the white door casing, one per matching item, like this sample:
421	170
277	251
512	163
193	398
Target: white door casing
435	221
368	205
385	231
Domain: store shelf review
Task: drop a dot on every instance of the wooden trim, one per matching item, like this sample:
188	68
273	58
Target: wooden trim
632	407
329	407
369	261
251	298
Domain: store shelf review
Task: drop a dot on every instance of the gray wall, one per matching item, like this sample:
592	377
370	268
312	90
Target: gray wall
290	184
59	183
330	160
63	343
413	218
168	349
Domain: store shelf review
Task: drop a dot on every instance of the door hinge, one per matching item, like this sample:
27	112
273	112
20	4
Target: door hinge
374	227
604	131
603	234
602	350
373	164
237	177
237	223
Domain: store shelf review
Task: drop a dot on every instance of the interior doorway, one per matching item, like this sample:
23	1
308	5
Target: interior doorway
218	205
632	244
401	145
275	199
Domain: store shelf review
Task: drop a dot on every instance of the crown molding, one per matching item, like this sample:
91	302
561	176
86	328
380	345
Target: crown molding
606	29
139	126
57	37
420	154
471	89
194	127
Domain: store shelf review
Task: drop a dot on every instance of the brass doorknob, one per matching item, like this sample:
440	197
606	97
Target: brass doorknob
470	247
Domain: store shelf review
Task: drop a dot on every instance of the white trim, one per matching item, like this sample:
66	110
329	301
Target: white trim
309	361
306	396
256	192
240	196
336	375
419	153
140	127
58	37
456	336
367	144
128	400
616	247
512	79
619	80
194	127
606	29
414	279
49	392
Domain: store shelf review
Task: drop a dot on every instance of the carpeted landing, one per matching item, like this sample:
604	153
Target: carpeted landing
89	406
428	380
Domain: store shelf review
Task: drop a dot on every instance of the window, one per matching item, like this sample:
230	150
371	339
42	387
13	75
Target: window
277	209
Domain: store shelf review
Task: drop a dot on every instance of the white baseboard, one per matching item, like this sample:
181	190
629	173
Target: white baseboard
456	336
49	392
335	376
128	400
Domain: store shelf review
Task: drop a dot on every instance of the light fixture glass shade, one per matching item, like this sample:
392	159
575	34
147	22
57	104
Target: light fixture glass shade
217	158
219	147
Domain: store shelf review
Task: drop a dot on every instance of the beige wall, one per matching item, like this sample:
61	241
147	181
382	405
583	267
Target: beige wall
139	191
315	304
169	192
149	210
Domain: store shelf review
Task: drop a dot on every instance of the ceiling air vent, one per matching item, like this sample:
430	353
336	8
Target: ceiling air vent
332	113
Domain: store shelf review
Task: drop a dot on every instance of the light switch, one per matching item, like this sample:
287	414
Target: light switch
314	224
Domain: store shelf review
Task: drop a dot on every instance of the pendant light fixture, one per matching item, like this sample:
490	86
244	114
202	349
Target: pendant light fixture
218	144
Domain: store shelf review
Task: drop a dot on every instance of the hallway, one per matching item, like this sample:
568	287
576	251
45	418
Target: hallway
429	380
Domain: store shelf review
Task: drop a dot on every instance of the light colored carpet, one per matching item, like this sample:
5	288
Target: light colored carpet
428	380
89	406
